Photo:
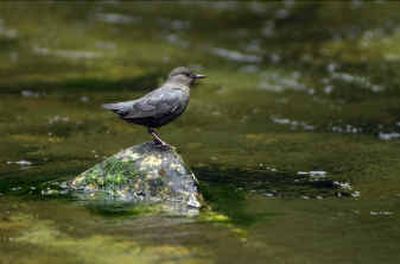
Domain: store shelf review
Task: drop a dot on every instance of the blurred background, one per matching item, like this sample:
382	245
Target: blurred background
294	135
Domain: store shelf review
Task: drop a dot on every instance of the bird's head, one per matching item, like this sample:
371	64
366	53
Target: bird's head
183	75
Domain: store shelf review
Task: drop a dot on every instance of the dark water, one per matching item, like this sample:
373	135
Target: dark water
294	136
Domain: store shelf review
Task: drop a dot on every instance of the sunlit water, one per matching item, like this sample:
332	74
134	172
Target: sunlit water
294	136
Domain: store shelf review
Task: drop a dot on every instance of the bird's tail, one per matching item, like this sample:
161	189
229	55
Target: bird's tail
112	106
118	108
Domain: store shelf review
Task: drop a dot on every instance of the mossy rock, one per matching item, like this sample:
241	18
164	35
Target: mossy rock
144	173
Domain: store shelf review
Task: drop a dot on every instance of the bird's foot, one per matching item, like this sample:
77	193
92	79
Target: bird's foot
157	140
162	144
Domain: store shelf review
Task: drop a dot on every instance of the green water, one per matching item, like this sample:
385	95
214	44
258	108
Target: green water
294	136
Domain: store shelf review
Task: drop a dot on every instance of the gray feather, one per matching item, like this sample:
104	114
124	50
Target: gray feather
121	108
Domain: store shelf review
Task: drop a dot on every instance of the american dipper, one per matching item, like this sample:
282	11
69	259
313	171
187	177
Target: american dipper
160	106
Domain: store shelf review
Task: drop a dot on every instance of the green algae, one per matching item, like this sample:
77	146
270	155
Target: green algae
93	249
113	173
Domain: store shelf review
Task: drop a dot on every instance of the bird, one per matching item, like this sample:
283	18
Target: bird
160	106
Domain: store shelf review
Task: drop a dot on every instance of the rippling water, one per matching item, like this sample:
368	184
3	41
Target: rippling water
294	136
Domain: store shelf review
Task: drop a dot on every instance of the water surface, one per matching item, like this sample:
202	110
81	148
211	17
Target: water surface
294	136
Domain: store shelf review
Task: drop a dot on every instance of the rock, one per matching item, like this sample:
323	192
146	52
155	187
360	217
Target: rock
145	173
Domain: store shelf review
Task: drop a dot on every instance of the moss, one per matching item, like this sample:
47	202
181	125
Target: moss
112	174
209	216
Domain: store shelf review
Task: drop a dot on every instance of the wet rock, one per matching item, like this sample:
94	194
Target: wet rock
142	173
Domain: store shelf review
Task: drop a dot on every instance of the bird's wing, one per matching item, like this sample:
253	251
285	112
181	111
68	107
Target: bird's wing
133	108
155	104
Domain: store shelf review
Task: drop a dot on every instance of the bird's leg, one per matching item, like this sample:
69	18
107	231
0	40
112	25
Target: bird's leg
156	137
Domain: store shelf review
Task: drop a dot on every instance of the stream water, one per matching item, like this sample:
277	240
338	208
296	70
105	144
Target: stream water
294	135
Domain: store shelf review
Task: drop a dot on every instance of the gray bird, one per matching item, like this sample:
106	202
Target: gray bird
160	106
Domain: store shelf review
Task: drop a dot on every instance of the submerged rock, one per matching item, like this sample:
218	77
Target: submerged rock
142	173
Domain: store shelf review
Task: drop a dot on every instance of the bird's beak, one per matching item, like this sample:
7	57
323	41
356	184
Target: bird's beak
199	76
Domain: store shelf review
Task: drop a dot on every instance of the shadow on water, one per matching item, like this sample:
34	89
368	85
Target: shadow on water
142	82
274	184
226	189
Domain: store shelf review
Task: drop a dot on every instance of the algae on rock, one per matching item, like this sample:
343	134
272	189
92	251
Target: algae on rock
142	173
